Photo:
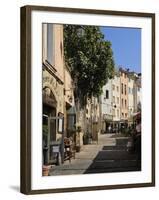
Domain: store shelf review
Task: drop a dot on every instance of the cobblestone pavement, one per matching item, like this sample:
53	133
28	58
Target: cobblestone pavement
109	155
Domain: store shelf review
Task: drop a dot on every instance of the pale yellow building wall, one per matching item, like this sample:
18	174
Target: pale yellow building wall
116	98
130	97
56	85
58	56
124	108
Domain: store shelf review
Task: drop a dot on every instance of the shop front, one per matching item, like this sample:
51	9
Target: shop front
53	120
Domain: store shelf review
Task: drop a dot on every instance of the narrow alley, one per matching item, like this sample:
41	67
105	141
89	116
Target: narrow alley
109	155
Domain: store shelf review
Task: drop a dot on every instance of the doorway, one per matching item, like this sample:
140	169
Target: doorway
49	132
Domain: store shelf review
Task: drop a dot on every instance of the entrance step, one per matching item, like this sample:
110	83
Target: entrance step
115	155
111	148
121	141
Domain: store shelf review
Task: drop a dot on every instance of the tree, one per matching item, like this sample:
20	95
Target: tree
89	57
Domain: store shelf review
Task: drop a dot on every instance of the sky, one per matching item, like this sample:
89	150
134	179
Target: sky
126	45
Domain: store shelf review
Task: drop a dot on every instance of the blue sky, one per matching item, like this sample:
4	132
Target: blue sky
126	45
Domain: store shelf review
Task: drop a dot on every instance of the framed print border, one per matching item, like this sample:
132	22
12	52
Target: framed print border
26	107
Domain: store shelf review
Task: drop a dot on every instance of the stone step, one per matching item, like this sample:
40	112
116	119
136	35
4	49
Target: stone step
115	155
113	164
121	141
110	170
111	148
98	165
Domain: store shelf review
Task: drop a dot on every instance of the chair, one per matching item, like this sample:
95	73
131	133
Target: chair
69	151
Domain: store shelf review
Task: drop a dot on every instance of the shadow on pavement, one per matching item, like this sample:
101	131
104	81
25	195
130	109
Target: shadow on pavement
114	159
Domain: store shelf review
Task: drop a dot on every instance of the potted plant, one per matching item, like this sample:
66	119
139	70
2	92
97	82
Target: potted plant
46	169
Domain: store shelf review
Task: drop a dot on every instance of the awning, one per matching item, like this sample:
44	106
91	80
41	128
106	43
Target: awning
137	115
71	111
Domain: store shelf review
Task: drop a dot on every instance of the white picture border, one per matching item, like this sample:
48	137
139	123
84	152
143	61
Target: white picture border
72	181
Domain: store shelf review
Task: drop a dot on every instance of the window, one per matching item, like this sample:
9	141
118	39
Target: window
122	88
107	94
117	100
125	114
50	44
117	113
122	114
117	88
125	103
113	99
129	90
113	112
125	89
113	87
125	75
122	102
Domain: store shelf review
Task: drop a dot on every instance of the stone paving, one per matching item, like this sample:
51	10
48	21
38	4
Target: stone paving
109	155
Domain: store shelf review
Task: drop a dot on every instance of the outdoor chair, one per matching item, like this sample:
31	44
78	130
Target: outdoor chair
69	149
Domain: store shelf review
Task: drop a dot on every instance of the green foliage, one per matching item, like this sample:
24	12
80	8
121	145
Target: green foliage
89	57
45	130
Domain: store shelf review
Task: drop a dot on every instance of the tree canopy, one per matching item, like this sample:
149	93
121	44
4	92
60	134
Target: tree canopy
89	57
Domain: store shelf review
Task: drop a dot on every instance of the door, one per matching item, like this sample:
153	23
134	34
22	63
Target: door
49	131
56	147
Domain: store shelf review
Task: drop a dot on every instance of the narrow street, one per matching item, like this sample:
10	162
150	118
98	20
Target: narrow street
109	155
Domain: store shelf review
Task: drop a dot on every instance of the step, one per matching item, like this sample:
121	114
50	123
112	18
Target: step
119	147
121	141
115	155
110	170
114	164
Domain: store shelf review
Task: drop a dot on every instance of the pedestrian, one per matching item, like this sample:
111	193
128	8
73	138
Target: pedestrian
109	128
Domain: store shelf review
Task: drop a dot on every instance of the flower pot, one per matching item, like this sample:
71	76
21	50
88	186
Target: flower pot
46	170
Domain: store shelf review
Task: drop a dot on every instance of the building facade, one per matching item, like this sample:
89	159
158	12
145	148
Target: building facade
120	100
106	106
92	121
57	90
116	97
131	90
123	94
